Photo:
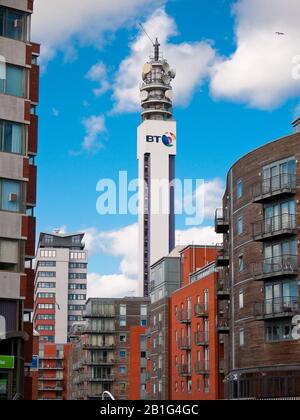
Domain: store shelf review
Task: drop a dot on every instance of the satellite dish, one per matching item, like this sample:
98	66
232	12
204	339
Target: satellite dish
166	80
144	95
169	95
166	67
172	73
147	68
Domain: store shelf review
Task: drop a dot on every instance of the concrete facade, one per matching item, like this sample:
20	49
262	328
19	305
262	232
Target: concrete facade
18	149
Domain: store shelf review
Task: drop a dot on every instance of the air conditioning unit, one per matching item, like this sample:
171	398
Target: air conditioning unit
12	198
18	24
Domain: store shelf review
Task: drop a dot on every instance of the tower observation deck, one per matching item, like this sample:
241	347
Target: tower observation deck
156	90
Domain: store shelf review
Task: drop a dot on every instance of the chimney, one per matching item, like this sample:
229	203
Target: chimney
296	125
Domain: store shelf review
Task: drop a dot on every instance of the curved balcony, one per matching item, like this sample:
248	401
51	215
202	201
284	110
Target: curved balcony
201	311
281	266
275	186
275	227
283	307
184	370
184	317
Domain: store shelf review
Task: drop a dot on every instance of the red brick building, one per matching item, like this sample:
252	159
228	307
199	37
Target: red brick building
194	343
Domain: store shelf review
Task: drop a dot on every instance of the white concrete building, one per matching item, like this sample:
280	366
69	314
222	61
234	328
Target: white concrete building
60	285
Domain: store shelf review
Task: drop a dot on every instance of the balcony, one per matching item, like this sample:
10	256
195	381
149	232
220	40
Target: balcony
279	185
102	346
222	259
103	378
285	265
184	343
51	368
202	368
201	338
223	326
201	311
283	307
184	370
223	290
50	388
221	222
184	317
104	362
277	226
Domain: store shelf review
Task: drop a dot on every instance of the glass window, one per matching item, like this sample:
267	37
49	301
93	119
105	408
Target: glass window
12	24
240	225
122	354
239	188
143	310
123	310
241	263
11	137
241	299
14	81
123	338
242	337
122	370
10	195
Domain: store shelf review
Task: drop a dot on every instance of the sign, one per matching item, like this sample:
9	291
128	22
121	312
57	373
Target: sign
35	363
7	362
168	139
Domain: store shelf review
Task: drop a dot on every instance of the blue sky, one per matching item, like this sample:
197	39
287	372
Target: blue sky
238	100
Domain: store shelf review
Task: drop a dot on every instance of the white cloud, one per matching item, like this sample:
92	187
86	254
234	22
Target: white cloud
94	126
98	73
61	25
212	192
191	60
111	286
259	72
197	236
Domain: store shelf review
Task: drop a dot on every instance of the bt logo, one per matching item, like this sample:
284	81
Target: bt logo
168	139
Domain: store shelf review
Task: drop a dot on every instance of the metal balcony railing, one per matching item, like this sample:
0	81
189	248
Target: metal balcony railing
184	343
202	367
223	326
201	310
202	338
184	316
184	370
275	185
283	224
222	259
277	266
282	307
221	221
223	288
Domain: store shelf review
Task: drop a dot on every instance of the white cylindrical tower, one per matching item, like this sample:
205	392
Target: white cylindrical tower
156	156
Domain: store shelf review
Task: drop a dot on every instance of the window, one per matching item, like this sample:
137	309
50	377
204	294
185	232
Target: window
176	386
154	320
46	285
160	317
46	317
242	337
12	137
73	318
48	239
206	384
123	310
42	295
279	331
14	84
76	239
46	274
144	310
78	265
123	322
239	188
46	327
240	225
122	370
74	286
241	263
76	307
47	264
77	276
143	322
47	253
123	338
241	299
122	354
77	297
281	296
10	195
12	24
46	306
77	255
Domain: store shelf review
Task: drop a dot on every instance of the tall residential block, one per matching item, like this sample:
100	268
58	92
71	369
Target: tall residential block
60	285
260	271
110	351
156	155
19	93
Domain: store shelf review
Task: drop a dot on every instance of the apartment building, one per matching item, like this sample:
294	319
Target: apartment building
19	92
165	279
60	285
260	264
53	371
110	352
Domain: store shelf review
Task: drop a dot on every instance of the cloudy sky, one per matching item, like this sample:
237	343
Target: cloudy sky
234	91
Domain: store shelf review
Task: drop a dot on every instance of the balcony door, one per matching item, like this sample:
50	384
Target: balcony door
279	175
280	216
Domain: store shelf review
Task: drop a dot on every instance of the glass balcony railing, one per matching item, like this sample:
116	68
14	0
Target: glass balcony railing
281	307
275	185
277	266
275	226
